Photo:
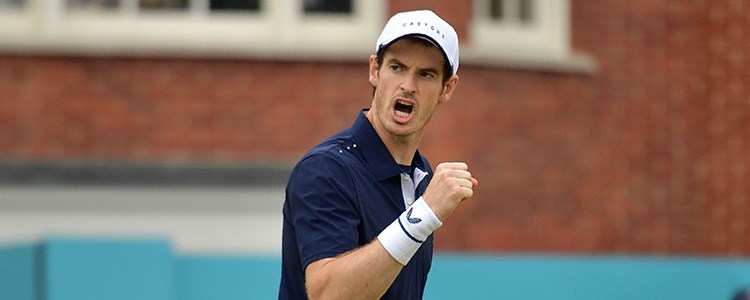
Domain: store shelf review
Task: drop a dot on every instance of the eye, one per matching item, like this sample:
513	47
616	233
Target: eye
395	67
426	74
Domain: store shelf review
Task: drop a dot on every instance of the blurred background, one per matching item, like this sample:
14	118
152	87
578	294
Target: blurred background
609	137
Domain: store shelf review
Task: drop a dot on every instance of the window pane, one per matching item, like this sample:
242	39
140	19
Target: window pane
163	4
328	6
11	4
93	4
512	11
526	11
252	5
497	9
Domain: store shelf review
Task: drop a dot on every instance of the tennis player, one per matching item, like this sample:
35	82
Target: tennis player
361	206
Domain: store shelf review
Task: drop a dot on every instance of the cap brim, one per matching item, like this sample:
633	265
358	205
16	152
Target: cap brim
423	37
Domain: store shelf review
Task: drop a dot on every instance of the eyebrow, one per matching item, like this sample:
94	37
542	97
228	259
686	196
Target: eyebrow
398	62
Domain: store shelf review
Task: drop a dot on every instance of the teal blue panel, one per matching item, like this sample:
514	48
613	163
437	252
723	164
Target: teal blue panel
63	269
17	272
95	269
228	277
542	277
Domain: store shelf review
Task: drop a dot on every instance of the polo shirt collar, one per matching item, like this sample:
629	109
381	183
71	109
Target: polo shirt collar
377	157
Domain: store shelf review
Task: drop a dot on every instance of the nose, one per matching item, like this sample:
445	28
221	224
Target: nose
408	85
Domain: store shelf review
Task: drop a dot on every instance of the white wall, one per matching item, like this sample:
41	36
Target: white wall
196	220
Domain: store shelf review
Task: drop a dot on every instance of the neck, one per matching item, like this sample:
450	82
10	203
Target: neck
402	148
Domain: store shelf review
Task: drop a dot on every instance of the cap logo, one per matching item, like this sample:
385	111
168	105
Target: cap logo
423	24
418	23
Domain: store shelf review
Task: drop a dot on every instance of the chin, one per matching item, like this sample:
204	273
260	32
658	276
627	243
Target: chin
400	130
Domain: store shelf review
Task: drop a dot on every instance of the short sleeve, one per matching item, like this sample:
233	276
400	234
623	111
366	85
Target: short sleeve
321	195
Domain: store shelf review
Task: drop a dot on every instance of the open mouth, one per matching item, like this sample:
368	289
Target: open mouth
403	109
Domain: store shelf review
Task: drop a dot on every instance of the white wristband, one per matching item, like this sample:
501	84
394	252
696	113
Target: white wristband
407	233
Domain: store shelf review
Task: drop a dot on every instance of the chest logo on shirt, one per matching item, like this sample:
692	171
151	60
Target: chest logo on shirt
410	219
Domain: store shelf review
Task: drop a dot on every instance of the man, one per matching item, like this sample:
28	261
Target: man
743	294
361	206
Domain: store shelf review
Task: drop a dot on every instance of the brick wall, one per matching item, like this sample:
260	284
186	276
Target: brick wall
647	155
725	166
155	109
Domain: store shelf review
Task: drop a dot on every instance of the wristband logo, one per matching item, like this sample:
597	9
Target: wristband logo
410	219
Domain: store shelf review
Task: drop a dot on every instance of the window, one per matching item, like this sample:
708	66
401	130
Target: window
522	26
247	5
162	4
314	28
525	32
145	5
328	7
512	11
11	4
93	4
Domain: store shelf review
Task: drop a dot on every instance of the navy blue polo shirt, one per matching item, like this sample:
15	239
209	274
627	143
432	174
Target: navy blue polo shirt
340	196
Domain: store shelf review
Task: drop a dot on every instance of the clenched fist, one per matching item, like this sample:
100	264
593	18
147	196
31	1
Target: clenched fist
451	184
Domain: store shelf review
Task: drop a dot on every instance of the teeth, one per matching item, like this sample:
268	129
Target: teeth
403	108
401	113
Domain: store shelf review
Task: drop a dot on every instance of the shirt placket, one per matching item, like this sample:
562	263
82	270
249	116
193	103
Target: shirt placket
409	185
407	189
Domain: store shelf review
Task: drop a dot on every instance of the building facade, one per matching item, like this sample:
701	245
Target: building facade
592	126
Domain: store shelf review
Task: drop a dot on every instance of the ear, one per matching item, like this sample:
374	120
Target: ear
374	70
448	89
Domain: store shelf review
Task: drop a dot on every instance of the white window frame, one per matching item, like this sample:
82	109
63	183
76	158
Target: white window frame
544	43
281	29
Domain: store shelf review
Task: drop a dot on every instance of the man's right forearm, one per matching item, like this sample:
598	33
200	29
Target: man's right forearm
368	271
363	273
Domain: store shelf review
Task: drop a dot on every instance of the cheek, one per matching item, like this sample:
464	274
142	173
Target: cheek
435	94
433	100
385	88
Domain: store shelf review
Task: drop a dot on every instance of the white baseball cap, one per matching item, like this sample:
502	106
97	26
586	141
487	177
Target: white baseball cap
423	24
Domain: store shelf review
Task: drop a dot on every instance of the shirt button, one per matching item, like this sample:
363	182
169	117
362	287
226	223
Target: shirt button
409	200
